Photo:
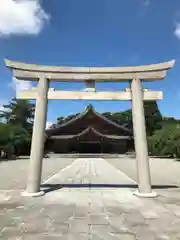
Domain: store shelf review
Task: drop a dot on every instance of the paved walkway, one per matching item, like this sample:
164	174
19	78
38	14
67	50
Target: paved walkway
90	171
88	199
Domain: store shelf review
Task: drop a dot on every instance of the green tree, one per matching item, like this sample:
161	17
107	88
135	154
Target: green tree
153	117
14	140
121	118
166	141
61	120
19	113
16	129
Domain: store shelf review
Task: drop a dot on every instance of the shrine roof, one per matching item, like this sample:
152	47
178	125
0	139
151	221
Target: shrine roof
89	110
90	130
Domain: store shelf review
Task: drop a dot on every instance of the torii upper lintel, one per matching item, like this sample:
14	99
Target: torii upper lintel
100	74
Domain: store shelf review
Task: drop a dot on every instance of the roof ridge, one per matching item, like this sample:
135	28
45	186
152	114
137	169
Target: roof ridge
96	132
80	115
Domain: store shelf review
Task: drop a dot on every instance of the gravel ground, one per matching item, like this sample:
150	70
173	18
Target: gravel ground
163	171
13	174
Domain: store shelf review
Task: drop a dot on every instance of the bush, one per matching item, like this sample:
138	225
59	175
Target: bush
166	141
13	139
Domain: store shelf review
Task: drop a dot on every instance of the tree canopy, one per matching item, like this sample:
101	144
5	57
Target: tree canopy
19	112
166	141
16	128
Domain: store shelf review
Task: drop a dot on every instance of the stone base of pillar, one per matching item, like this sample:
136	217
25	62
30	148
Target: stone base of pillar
37	194
145	195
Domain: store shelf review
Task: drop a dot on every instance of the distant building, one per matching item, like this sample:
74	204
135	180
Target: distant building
89	132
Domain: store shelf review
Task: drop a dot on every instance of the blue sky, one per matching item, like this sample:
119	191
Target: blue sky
93	33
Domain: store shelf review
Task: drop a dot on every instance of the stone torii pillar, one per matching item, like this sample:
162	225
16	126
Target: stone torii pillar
37	146
140	141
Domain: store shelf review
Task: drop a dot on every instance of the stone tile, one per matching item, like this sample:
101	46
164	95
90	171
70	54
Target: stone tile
59	213
5	221
80	212
149	214
174	236
74	236
96	209
104	232
134	218
56	226
97	219
143	232
38	237
79	225
123	236
93	236
174	208
162	237
163	223
68	236
118	223
115	210
10	232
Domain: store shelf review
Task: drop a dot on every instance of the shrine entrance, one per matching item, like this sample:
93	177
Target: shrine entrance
89	147
82	147
89	75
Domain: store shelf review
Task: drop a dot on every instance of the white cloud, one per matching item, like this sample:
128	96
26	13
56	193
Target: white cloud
3	102
177	30
1	107
48	125
21	17
19	85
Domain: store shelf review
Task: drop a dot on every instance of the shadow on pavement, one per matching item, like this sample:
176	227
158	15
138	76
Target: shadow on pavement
52	187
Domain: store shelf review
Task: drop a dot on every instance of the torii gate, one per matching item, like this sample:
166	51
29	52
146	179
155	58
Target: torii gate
134	75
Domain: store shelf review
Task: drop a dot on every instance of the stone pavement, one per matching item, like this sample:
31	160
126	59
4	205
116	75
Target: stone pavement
90	199
90	171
